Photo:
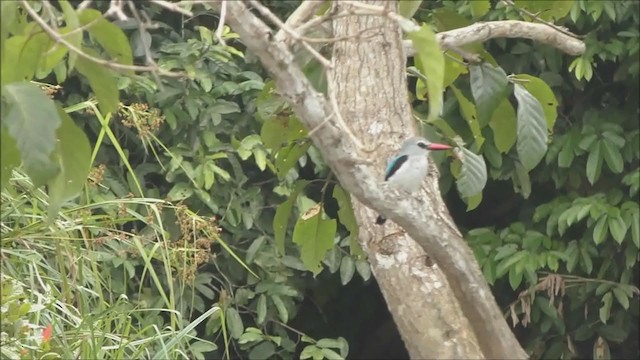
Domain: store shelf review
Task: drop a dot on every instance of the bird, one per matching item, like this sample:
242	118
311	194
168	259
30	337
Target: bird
408	168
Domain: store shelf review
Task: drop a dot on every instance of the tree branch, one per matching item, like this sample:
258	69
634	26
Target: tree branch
484	31
448	250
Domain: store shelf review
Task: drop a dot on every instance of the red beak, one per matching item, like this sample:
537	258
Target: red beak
436	146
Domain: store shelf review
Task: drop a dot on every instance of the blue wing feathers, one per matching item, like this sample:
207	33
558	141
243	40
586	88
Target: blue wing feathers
393	166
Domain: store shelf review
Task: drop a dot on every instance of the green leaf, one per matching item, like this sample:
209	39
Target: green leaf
523	180
73	23
543	93
363	268
21	56
612	156
347	269
480	7
408	8
102	81
261	309
73	156
277	131
468	111
288	156
345	210
262	351
532	129
617	228
507	263
605	309
430	60
314	236
473	175
283	314
547	9
594	163
621	297
503	123
108	35
489	88
515	278
453	69
600	230
31	119
234	322
331	355
10	157
635	229
283	213
180	191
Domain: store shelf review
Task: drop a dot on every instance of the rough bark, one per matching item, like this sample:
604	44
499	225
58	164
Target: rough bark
424	221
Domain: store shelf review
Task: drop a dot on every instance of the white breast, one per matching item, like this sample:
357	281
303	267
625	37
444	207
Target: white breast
411	174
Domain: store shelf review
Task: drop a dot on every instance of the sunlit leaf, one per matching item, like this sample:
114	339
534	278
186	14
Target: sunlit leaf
314	236
430	60
282	216
503	123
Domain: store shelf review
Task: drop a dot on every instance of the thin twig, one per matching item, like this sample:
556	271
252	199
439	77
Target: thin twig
112	65
171	7
223	14
299	16
275	20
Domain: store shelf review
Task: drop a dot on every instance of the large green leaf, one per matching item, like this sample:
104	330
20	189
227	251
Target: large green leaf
532	128
287	157
541	91
594	162
277	131
9	157
468	111
73	156
32	119
473	175
503	123
480	7
314	236
489	88
345	211
21	56
453	69
108	35
612	156
430	60
283	213
408	8
102	82
546	9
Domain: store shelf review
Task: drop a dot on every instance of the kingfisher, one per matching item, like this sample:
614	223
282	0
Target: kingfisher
408	168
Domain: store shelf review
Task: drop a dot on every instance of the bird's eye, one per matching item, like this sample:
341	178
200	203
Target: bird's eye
422	144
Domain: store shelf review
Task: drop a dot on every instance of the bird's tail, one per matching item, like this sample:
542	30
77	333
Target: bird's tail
380	220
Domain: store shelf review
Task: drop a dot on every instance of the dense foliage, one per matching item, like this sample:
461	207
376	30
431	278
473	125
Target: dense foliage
208	226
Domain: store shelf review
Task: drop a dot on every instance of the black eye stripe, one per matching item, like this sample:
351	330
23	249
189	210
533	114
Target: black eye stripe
422	145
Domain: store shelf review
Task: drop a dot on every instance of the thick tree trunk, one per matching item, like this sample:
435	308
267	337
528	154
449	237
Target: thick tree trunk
371	91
